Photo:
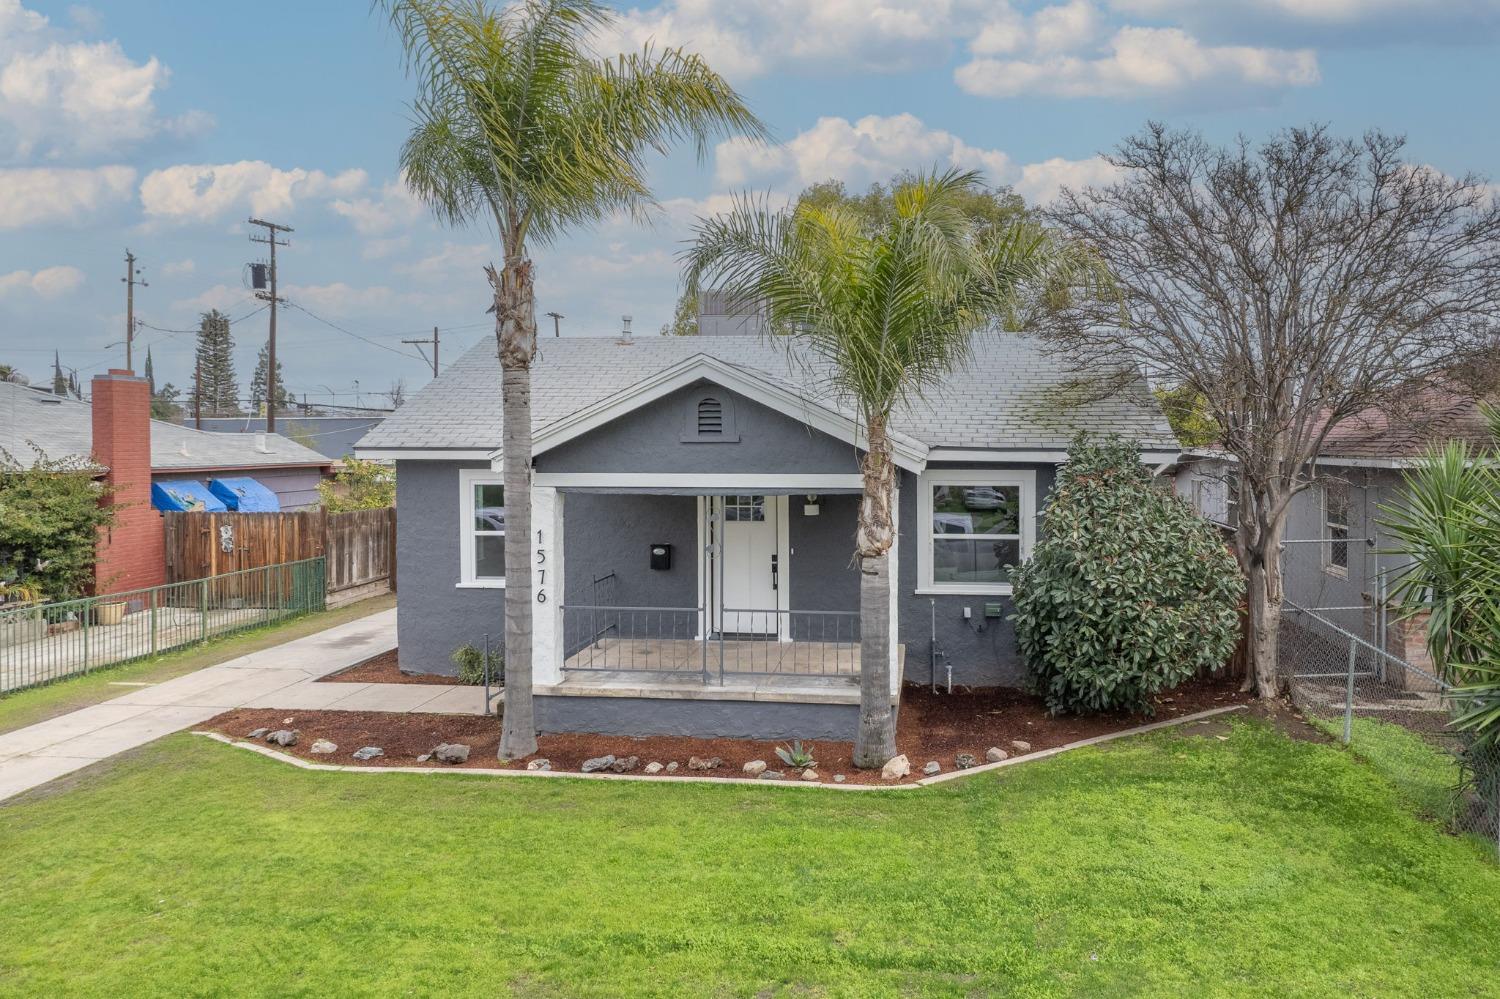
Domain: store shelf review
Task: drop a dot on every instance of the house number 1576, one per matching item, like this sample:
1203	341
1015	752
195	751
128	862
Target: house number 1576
541	571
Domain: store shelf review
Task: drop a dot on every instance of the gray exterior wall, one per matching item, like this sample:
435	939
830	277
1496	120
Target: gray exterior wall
295	488
434	616
982	650
704	719
649	439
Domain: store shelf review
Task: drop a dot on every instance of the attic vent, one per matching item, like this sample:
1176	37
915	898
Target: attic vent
710	416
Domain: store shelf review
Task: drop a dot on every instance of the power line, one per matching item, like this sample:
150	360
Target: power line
373	343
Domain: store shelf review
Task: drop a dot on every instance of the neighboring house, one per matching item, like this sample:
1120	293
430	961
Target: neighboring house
1337	559
134	451
333	437
694	508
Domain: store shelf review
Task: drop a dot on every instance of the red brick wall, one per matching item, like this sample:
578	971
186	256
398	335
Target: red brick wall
132	553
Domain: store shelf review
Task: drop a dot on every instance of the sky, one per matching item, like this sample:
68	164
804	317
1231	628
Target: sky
162	126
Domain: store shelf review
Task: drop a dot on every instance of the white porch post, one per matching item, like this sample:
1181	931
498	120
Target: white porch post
547	585
894	568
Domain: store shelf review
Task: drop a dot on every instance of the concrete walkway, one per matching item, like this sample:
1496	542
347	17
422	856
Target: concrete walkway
281	677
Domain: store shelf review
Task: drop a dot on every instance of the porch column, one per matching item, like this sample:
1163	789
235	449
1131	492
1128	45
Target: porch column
894	567
547	585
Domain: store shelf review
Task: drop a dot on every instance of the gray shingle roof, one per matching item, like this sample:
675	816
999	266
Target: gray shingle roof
1011	395
63	427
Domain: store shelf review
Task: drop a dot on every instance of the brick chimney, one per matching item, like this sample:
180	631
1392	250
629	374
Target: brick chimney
132	553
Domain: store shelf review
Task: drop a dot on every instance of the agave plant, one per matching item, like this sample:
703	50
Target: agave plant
795	756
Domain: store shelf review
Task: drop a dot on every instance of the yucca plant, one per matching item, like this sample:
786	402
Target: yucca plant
795	756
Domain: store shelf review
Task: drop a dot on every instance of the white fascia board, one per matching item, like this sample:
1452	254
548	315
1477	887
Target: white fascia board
1367	462
1044	457
422	454
733	483
907	453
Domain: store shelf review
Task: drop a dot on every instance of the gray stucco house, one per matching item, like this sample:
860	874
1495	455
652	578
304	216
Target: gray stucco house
694	507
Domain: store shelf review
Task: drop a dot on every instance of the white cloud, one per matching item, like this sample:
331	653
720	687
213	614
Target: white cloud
220	296
49	282
393	208
178	268
1040	182
51	195
61	99
208	191
461	260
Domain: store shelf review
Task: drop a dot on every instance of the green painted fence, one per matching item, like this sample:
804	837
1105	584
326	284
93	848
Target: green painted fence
46	642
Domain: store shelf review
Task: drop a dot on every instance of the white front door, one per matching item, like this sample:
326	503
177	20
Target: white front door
754	579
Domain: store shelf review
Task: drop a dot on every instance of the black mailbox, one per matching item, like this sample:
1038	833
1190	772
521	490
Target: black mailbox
661	556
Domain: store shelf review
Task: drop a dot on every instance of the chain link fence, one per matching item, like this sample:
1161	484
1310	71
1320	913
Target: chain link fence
1393	714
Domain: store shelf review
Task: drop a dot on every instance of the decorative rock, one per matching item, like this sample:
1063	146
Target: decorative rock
625	764
451	752
964	761
1021	745
653	767
323	747
755	768
839	778
370	752
259	733
539	765
597	763
932	767
283	737
711	763
672	767
896	767
424	757
995	754
810	774
772	775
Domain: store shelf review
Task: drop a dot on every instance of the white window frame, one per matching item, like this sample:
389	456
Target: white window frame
1024	479
468	478
1327	526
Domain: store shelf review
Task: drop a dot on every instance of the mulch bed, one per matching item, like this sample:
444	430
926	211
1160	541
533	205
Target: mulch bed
932	726
385	668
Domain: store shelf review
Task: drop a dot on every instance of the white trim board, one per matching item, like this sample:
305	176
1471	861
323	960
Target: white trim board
701	483
1041	457
467	479
906	452
421	454
1024	478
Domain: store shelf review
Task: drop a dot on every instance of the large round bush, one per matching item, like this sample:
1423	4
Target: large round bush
1127	593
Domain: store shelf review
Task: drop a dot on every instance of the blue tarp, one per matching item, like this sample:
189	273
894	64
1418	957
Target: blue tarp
184	494
245	495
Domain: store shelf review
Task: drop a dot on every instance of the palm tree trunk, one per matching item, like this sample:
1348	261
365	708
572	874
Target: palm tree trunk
875	742
515	329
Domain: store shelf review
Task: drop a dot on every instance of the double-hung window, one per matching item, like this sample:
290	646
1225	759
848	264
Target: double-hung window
1336	527
481	528
973	524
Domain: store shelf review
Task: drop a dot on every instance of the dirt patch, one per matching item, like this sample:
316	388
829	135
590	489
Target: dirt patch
932	726
1288	720
385	668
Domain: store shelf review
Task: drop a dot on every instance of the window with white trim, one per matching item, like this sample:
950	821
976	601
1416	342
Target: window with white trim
973	525
482	528
1336	527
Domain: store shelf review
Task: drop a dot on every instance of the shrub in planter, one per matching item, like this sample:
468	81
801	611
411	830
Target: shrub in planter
1127	593
470	662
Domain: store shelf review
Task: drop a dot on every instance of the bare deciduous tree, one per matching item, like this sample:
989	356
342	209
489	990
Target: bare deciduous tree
1292	283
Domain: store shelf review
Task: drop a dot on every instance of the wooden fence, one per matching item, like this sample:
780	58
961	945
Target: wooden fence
360	546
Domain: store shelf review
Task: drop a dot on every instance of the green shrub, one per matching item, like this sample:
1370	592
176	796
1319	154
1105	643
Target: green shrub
470	662
1127	593
50	519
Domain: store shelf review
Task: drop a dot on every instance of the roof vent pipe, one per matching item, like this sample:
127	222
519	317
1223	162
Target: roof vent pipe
260	444
625	336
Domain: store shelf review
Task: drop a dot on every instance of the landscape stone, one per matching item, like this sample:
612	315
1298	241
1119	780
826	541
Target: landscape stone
654	767
755	768
424	757
451	752
283	737
597	763
539	765
932	767
995	754
625	764
1021	745
259	733
839	778
672	767
771	775
323	747
896	767
369	753
711	763
810	774
964	761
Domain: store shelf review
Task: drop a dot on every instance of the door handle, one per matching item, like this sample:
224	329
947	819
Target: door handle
775	574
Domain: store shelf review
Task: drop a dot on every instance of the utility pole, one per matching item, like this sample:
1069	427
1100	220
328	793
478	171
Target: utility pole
419	344
132	278
557	317
198	393
270	239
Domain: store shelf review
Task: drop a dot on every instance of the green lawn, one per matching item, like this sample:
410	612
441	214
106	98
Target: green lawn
27	707
1164	865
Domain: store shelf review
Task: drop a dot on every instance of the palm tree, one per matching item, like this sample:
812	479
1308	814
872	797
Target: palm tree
518	125
890	304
